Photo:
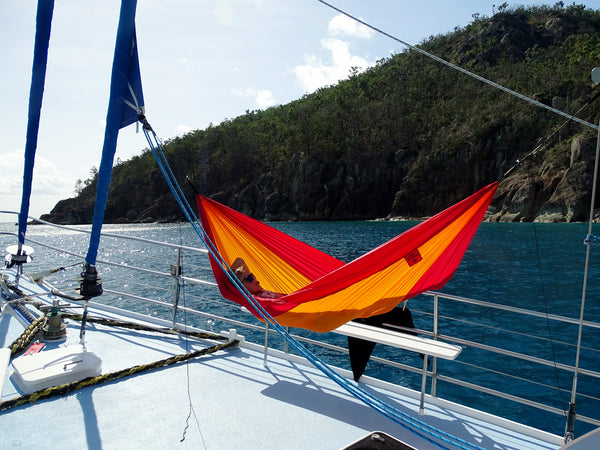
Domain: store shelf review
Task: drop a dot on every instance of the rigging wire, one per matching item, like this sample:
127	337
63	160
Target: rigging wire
570	428
549	327
460	69
191	410
518	162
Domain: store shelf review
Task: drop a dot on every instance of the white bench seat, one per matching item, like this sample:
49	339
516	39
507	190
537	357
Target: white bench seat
401	340
4	362
425	346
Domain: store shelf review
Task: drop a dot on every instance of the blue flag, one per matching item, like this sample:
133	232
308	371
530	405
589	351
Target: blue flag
124	105
36	94
133	103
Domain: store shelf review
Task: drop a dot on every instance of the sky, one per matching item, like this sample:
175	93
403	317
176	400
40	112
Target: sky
201	62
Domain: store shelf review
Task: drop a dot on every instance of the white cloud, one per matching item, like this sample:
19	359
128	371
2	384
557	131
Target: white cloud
49	183
48	179
264	98
343	25
224	13
183	129
12	176
316	73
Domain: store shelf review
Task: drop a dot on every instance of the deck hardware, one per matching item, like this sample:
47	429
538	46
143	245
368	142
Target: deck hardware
66	366
54	329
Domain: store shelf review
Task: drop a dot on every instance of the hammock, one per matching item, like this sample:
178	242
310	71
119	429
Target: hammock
322	292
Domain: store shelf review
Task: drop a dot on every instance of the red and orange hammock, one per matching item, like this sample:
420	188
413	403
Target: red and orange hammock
324	292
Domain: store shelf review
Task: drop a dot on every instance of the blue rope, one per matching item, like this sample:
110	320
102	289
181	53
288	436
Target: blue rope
38	76
125	63
403	419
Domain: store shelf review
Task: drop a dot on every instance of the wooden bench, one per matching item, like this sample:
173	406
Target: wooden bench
398	339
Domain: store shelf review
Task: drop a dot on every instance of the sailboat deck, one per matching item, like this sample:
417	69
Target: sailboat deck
228	399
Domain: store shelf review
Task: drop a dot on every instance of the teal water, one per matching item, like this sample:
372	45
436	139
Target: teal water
533	266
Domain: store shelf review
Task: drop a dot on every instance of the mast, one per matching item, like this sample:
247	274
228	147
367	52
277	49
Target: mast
571	415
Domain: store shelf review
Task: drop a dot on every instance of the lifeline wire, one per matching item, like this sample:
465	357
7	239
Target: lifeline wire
416	426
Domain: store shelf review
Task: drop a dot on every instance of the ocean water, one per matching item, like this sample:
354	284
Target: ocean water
537	267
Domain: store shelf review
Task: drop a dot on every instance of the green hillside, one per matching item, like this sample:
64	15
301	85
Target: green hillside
407	137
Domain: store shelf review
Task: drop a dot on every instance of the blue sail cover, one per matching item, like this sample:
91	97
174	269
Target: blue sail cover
44	13
134	98
125	104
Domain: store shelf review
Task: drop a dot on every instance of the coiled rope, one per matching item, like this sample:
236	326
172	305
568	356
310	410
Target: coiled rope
17	302
20	344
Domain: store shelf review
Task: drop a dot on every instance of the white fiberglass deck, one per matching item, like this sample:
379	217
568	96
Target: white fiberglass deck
236	403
